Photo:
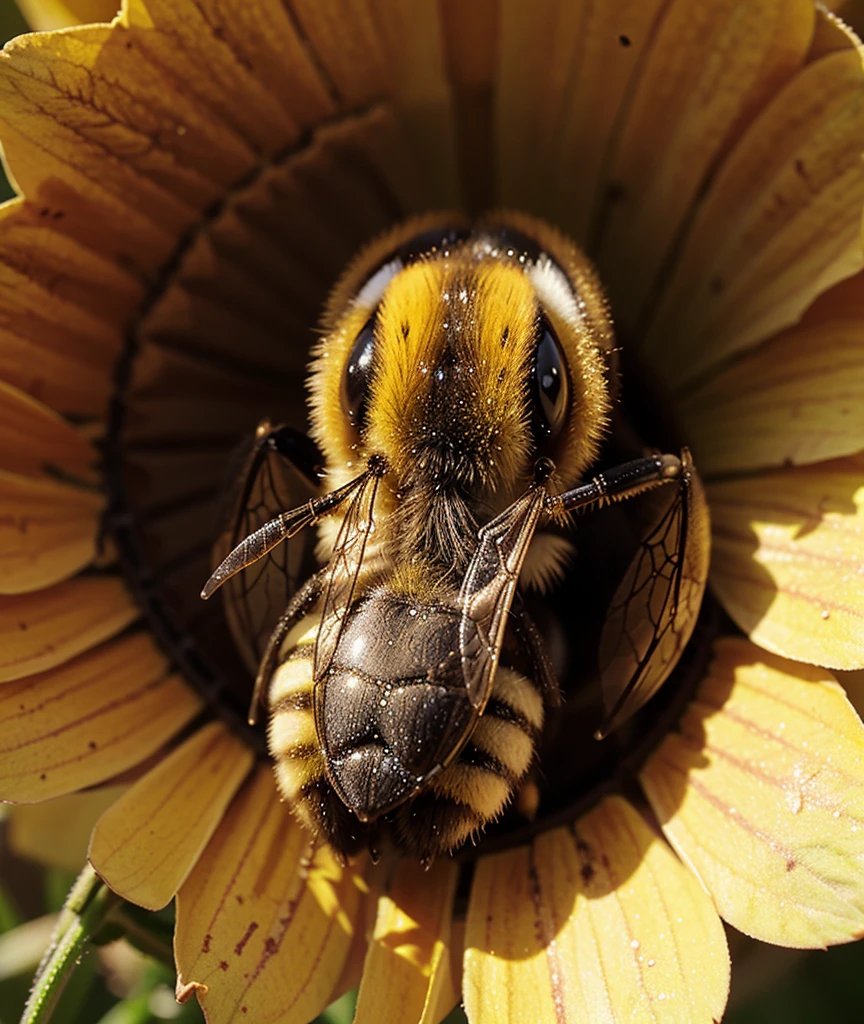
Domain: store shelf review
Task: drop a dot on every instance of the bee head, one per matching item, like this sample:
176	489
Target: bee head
461	355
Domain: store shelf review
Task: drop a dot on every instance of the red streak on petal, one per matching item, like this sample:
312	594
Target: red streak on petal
250	931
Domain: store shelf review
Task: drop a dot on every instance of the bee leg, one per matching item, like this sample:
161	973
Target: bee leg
298	606
620	482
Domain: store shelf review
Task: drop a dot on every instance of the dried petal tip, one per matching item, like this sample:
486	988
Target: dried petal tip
184	993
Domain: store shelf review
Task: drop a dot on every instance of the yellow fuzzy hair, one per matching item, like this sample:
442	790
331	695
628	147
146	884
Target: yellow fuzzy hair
425	296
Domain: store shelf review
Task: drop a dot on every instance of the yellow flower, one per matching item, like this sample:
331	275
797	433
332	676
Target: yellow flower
194	178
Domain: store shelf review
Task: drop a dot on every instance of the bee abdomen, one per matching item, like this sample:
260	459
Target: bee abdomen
457	805
292	739
477	787
301	772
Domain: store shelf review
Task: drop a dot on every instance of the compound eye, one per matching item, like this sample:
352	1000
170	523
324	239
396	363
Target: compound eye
550	386
357	376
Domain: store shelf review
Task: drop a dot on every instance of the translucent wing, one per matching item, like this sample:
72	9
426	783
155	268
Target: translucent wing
345	563
255	596
654	609
488	588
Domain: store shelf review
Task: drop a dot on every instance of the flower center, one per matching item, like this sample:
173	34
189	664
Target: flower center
223	342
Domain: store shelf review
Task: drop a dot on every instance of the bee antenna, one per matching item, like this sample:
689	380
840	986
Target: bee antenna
285	526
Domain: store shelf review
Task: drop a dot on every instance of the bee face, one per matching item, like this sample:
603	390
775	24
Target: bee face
462	355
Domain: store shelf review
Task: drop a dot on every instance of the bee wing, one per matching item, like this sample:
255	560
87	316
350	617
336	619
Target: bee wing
345	563
487	591
654	609
256	596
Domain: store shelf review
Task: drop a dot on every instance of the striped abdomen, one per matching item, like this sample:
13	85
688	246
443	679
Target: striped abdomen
453	806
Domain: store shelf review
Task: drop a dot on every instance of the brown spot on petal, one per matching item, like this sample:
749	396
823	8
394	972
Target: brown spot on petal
250	931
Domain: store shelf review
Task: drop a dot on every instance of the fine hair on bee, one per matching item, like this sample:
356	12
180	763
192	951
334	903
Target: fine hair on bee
458	400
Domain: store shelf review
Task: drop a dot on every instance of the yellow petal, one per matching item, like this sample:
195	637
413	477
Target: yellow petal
597	923
470	40
408	962
177	392
57	833
59	378
352	968
60	299
47	531
46	628
778	226
148	842
788	559
450	989
239	280
564	74
262	933
33	438
349	45
416	53
88	720
257	69
710	67
796	399
64	120
43	15
762	793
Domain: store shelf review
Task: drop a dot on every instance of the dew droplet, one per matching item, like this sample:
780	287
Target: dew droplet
794	800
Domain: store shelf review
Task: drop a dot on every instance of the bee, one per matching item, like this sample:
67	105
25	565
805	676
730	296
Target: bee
459	398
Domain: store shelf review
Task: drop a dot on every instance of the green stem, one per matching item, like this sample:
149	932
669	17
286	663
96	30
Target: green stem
87	908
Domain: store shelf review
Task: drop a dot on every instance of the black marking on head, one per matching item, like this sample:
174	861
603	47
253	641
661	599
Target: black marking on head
431	242
510	240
